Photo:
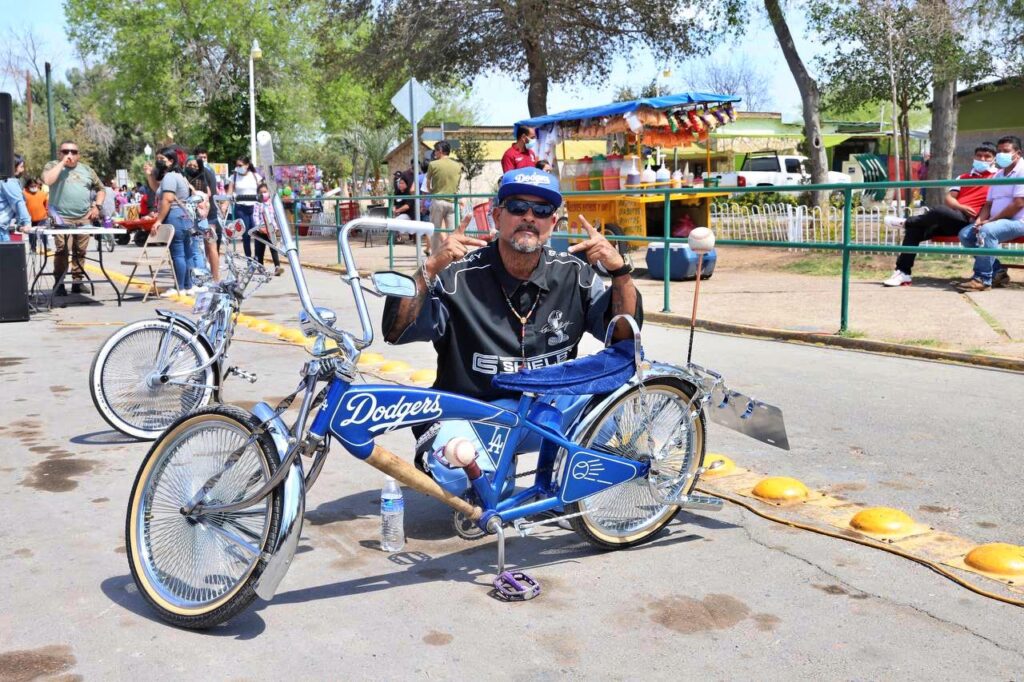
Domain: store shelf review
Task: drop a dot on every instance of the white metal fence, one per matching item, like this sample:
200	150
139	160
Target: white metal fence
784	222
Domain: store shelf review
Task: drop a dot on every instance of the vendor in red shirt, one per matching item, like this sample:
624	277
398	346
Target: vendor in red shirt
961	208
522	152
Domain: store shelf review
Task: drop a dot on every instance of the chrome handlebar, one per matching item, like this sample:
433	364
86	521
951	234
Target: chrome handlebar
351	272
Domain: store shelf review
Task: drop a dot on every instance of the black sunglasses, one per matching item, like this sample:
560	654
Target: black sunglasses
68	151
541	209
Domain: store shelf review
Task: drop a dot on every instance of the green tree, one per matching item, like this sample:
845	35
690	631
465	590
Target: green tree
471	156
893	50
541	41
179	70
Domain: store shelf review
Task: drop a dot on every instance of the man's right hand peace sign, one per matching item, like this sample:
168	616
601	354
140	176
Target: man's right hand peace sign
455	247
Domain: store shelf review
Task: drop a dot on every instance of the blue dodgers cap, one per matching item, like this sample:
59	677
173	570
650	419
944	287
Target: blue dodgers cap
530	181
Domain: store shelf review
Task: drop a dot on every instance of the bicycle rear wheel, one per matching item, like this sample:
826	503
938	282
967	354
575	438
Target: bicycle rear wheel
653	425
197	572
119	377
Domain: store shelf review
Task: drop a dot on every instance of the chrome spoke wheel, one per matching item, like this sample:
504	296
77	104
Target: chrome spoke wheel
126	385
193	565
654	426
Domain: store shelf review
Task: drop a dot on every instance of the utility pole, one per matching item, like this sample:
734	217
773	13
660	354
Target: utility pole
28	97
49	112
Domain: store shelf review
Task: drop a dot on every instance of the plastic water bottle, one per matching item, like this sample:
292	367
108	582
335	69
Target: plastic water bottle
392	517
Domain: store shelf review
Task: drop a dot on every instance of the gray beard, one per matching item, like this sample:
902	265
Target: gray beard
526	248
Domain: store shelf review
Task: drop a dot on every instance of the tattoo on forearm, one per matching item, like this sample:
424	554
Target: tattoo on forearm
408	310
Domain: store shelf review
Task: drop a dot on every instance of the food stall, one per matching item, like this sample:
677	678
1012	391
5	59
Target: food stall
661	125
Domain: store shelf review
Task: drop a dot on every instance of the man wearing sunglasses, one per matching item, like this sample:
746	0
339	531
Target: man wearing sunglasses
72	204
513	301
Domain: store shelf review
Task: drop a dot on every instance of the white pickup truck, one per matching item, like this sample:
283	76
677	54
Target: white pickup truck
765	170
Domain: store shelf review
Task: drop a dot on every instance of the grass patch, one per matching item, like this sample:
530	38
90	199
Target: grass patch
926	343
977	351
871	266
852	334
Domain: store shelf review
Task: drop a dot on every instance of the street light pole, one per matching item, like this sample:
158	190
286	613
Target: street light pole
254	54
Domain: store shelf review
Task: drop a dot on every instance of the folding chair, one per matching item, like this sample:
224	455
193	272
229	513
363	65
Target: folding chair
155	255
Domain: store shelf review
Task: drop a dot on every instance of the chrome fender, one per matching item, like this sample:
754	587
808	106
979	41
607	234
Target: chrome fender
293	505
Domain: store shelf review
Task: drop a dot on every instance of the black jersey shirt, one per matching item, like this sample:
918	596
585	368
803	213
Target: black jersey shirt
468	317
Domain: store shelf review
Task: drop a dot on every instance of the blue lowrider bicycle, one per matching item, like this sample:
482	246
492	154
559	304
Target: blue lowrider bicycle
216	509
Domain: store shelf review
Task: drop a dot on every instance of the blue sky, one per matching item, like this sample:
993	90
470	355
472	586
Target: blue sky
499	98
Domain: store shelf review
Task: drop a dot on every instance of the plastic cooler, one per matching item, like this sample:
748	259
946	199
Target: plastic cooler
682	262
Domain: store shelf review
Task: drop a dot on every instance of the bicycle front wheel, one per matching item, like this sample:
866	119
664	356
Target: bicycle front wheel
199	571
121	384
650	425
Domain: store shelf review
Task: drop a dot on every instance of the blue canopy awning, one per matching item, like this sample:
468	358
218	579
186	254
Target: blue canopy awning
618	108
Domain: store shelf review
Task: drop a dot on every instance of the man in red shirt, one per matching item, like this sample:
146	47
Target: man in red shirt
521	154
962	206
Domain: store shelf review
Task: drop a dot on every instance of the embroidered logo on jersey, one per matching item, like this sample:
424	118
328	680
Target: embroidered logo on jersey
556	326
497	364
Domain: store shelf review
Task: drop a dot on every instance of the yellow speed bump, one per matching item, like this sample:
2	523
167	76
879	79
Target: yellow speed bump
882	521
423	376
727	467
394	366
371	359
268	327
998	557
780	489
293	335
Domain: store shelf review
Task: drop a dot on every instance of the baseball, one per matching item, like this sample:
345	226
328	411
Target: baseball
459	452
702	240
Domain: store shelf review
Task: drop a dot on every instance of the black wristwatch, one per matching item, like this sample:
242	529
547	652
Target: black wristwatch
626	269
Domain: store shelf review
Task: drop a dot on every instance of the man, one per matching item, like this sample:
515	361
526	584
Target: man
1001	219
71	185
513	302
443	176
13	208
522	153
962	206
202	179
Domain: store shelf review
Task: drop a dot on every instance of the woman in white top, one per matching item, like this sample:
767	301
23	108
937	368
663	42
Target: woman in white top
244	182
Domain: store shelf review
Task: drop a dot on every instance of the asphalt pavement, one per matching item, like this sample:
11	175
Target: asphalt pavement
719	596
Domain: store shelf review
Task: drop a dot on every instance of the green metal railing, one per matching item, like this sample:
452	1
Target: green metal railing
845	244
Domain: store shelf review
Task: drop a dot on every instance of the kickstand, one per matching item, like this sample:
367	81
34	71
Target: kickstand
510	585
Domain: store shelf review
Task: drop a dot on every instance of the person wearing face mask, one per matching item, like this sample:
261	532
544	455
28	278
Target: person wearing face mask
244	181
961	207
12	202
522	153
199	179
38	206
172	191
1001	219
265	223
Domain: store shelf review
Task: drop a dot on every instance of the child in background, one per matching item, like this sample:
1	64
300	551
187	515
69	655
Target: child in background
38	205
262	220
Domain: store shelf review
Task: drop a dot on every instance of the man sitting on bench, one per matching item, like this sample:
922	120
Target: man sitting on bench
1001	219
962	206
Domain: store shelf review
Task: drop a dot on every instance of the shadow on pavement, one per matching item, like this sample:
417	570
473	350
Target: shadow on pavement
108	437
122	591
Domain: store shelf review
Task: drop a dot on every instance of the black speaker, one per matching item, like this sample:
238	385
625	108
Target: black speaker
13	283
6	136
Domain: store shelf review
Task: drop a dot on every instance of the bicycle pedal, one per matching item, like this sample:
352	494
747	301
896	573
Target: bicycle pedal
242	374
515	586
